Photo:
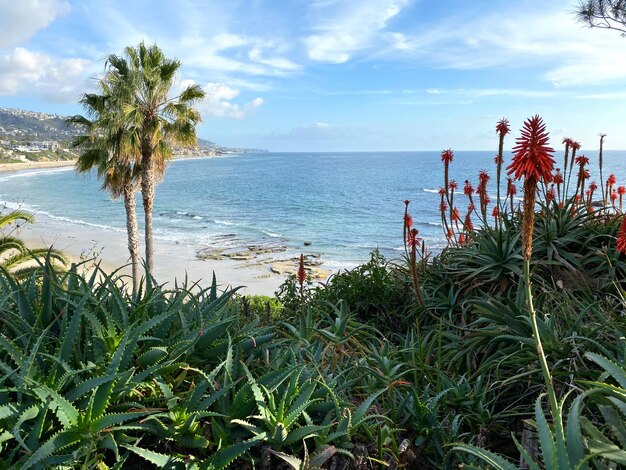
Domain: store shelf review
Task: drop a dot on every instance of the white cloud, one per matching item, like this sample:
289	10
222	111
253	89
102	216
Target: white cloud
486	92
218	102
55	79
618	95
570	54
344	28
20	19
232	53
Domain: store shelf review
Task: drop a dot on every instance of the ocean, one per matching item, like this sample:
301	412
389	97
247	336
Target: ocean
342	205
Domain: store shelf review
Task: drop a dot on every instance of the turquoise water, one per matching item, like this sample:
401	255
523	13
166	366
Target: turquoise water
344	204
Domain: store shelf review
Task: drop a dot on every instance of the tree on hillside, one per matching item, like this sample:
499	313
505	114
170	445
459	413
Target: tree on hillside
152	119
101	149
605	14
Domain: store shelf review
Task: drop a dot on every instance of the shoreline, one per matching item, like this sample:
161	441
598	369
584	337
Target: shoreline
21	166
259	273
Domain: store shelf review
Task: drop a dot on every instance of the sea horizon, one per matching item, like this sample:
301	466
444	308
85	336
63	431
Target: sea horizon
336	206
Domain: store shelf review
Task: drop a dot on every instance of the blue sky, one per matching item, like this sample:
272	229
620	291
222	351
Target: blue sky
336	75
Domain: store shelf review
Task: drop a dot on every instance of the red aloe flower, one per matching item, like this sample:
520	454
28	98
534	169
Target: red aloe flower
575	145
550	195
443	207
503	127
453	185
586	174
511	189
450	234
621	190
533	156
593	186
462	239
455	216
533	161
447	156
442	191
301	272
483	176
413	240
408	221
621	237
469	226
614	196
582	160
468	189
611	180
558	177
498	160
495	212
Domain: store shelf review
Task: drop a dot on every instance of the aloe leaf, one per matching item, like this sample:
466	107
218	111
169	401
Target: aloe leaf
546	439
113	419
224	457
64	410
532	465
293	462
617	372
495	461
302	403
55	444
156	458
575	444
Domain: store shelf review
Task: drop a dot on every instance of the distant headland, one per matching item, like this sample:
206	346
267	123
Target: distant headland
31	136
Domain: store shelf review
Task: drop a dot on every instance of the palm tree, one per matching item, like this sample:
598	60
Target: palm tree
153	120
102	150
14	256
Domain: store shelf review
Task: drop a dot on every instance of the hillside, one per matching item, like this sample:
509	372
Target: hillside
31	135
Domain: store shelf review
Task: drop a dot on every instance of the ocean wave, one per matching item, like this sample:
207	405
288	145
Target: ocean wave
80	222
197	217
224	222
271	234
426	190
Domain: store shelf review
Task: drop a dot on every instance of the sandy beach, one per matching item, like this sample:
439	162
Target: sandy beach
173	261
11	167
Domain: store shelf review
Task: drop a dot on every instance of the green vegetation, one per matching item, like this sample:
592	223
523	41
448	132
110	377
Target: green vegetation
358	373
507	347
15	257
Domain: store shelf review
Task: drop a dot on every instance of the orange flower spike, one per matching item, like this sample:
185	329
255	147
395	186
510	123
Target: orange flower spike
446	157
503	127
301	271
533	161
533	156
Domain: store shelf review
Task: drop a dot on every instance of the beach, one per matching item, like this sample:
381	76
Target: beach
174	261
12	167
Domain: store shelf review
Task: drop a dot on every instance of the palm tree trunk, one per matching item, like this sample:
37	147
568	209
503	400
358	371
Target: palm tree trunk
132	230
147	194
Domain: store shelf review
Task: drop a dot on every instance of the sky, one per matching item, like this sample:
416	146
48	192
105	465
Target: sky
336	75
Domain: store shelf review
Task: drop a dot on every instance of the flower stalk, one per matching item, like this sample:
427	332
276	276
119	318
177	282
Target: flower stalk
533	161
